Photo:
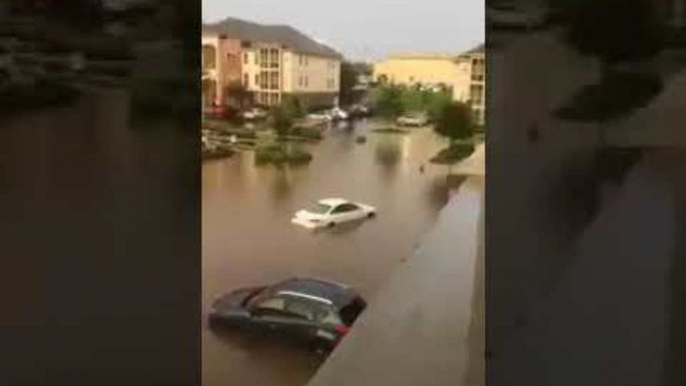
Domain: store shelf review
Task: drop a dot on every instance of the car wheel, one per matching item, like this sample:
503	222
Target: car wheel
371	214
331	224
321	347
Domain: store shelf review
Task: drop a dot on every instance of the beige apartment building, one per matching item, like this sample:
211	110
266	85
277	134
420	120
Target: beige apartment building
470	86
464	73
275	61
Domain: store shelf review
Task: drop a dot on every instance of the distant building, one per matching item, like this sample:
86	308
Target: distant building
222	70
470	87
464	73
276	61
409	68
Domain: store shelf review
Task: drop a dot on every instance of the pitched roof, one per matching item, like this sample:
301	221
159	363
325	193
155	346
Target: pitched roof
259	33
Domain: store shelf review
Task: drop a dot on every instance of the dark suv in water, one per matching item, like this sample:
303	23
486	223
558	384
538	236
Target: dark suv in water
314	311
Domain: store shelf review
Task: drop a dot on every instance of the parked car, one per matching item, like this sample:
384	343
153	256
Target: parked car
332	211
337	114
312	311
412	120
359	111
506	15
320	117
254	114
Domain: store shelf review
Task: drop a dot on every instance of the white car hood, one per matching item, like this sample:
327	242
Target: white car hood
307	215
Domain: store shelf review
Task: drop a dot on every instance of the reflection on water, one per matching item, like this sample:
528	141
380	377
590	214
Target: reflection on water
248	238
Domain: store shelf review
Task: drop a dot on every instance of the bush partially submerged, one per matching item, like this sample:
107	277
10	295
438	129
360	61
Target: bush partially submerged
278	154
453	154
391	130
307	132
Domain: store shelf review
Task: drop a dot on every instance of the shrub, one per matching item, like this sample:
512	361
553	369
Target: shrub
455	121
277	154
454	153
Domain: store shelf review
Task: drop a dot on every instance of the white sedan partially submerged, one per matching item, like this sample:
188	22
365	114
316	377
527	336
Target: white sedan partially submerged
332	211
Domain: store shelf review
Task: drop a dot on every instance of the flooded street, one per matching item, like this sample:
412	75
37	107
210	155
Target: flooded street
247	237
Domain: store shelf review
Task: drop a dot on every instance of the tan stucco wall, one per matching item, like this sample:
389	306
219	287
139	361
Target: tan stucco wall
420	70
322	74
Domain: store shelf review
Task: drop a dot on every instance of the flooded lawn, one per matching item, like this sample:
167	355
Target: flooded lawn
248	239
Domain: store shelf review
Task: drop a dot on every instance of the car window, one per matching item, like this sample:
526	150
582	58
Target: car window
326	315
276	304
321	209
300	307
343	208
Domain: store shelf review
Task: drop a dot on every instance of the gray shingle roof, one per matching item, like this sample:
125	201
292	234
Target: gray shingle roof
259	33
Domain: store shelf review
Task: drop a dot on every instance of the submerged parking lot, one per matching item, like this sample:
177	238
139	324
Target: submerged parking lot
248	238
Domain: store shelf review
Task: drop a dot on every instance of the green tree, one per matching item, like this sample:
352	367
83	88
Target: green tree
389	101
435	103
615	31
455	122
348	82
293	108
283	122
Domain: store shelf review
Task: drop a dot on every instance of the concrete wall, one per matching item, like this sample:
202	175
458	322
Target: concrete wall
608	320
420	70
311	74
541	170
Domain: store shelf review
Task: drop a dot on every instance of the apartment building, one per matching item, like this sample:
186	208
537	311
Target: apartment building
470	87
409	68
221	70
464	73
275	61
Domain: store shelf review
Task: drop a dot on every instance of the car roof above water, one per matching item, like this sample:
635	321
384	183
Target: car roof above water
338	294
333	201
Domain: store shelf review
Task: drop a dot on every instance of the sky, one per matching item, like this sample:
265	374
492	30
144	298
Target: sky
367	29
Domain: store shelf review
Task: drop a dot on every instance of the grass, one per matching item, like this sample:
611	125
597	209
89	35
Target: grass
391	130
453	154
307	132
618	95
278	155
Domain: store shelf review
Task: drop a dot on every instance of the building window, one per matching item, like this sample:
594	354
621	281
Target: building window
307	81
307	61
476	93
246	81
257	79
208	57
245	58
264	78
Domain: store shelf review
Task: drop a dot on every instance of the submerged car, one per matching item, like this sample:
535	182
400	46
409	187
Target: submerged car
412	121
312	311
332	211
254	114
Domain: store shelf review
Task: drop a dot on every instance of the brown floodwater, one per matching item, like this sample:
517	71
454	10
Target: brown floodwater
247	237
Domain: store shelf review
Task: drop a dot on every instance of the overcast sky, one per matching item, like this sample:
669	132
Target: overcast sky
367	29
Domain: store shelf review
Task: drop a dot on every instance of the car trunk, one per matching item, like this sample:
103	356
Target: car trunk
350	312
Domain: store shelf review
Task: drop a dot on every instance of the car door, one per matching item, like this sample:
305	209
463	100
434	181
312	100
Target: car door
268	316
353	211
304	317
346	212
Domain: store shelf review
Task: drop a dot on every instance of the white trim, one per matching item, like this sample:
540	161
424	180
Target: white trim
296	294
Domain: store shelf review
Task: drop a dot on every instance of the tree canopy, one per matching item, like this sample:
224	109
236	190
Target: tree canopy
455	121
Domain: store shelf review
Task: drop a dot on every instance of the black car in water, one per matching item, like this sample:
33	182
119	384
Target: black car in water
313	311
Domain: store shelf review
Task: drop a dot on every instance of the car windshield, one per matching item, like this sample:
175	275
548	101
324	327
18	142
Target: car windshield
320	209
256	298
